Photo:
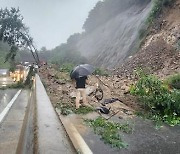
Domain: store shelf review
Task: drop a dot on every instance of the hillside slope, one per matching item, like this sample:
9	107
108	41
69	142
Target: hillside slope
110	36
160	53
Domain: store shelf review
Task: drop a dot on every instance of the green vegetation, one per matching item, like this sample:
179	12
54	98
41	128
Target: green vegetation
66	53
174	81
163	104
84	110
29	82
2	64
4	48
14	32
68	108
67	67
101	72
17	85
109	131
61	56
158	6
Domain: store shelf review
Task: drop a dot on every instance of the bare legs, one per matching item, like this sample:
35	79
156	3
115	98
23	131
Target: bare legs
78	95
81	92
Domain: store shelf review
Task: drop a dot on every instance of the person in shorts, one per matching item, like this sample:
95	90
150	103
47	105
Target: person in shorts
80	86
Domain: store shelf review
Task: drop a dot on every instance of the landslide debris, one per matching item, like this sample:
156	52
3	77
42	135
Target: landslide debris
160	53
62	92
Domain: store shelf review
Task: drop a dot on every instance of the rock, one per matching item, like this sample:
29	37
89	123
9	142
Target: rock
73	94
64	92
125	88
90	90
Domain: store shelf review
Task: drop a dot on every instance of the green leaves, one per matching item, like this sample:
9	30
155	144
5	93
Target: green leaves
174	81
157	98
157	8
14	32
110	131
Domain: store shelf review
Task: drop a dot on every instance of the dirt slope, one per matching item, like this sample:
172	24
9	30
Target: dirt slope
110	42
160	53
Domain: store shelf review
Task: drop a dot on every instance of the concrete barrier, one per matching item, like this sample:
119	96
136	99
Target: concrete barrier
51	136
43	131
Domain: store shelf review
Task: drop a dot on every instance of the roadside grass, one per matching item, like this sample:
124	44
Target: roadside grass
84	110
158	119
65	108
69	108
110	131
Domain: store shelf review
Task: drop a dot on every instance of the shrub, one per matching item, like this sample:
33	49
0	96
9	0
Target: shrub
156	96
99	71
174	81
67	67
157	8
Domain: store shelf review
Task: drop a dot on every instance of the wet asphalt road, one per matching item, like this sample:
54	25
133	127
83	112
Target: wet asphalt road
5	97
145	139
11	127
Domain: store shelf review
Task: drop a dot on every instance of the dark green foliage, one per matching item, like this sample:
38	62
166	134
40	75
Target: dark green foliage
28	83
68	108
17	85
158	6
4	49
62	56
110	131
167	2
13	32
156	97
67	53
174	81
101	72
84	110
67	67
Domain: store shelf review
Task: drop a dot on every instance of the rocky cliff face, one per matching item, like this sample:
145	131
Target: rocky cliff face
111	31
160	53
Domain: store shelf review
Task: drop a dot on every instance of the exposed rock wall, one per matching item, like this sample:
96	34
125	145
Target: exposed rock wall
113	39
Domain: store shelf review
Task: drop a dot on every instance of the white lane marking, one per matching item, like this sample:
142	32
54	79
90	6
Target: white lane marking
6	109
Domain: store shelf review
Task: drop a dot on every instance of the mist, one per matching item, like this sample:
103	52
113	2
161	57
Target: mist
52	22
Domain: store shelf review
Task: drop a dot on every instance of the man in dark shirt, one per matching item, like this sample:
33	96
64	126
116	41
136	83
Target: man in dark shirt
80	86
